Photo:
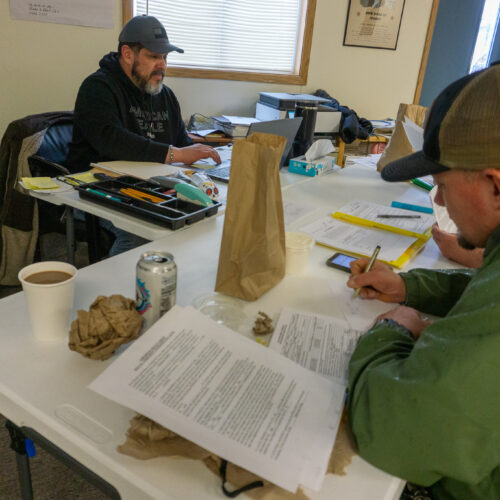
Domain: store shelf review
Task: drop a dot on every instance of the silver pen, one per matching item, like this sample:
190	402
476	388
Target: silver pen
368	267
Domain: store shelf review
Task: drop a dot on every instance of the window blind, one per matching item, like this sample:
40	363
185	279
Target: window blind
238	35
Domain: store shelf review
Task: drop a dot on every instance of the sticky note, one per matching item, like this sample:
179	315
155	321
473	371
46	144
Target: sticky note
39	183
85	177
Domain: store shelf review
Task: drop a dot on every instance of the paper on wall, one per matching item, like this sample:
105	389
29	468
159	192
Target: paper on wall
94	13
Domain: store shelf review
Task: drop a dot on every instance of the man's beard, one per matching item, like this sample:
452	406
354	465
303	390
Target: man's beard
145	84
464	243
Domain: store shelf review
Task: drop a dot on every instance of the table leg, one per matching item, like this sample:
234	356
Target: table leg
17	443
18	436
70	234
92	227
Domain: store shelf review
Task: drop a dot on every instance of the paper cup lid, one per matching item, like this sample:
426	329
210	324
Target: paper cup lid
221	308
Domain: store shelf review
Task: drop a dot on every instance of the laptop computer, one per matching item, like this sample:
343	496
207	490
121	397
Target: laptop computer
287	128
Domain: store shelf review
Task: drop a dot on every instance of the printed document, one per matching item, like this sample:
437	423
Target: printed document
359	313
95	13
321	343
293	211
230	395
371	211
358	239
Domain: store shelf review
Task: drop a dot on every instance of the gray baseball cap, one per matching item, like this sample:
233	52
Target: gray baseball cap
149	32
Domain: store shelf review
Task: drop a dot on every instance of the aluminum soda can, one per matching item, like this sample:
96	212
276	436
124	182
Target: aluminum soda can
155	286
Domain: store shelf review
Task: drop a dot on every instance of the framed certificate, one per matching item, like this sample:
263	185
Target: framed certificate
373	23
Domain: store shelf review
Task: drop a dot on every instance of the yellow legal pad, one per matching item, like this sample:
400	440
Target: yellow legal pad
39	183
85	177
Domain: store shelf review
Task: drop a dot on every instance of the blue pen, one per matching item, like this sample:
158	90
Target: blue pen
104	195
408	206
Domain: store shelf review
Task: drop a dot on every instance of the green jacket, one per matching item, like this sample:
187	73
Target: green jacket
428	411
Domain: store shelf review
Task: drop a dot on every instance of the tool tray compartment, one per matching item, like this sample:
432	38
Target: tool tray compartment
171	213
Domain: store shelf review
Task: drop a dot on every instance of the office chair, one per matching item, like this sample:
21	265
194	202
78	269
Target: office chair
50	161
35	145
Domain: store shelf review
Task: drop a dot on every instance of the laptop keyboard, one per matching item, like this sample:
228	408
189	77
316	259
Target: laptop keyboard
220	172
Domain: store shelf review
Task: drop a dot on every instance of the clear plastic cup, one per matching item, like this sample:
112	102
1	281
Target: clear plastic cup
298	247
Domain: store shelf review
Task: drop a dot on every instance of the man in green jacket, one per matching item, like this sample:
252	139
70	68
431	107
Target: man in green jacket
424	401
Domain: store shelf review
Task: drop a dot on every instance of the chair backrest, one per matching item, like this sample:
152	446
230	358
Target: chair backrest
50	158
55	143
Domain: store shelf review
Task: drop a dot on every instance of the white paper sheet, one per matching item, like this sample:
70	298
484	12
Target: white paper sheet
293	212
359	313
441	213
142	170
320	343
241	120
358	239
414	133
369	211
230	395
95	13
367	161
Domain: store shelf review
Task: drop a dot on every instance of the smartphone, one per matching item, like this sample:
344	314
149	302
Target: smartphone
340	261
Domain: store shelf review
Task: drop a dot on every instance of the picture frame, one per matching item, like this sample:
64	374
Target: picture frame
373	24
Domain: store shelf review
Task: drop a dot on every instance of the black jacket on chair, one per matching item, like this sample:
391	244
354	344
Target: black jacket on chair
18	210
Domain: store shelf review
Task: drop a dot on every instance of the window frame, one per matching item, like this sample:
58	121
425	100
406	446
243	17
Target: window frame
305	42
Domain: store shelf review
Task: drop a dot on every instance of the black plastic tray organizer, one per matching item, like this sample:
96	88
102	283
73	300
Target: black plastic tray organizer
171	213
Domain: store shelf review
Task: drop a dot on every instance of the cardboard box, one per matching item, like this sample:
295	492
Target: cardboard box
301	166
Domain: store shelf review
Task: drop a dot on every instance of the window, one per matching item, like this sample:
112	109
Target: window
485	36
261	40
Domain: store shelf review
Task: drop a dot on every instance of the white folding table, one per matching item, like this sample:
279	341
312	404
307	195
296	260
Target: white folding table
43	386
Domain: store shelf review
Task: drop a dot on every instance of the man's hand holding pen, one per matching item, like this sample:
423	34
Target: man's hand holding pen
381	282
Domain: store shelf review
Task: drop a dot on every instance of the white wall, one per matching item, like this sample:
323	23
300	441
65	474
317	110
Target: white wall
43	65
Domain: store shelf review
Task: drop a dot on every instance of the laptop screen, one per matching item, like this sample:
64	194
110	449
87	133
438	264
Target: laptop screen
287	127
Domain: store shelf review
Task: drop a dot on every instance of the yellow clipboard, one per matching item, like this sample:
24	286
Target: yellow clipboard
405	257
353	219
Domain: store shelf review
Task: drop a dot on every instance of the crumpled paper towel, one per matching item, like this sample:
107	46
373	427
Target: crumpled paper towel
319	148
110	322
147	439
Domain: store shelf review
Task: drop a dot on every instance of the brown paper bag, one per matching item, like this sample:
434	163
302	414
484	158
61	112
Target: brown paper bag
252	254
399	145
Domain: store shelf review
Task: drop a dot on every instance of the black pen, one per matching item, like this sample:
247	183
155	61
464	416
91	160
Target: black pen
398	216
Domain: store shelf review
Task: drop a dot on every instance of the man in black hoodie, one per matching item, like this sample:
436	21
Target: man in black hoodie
123	111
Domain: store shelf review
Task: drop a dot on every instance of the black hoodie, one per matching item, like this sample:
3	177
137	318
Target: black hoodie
115	120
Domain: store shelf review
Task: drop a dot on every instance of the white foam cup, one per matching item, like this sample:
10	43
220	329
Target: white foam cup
50	306
298	247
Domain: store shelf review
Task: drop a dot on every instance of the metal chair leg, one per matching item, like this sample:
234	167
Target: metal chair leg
17	443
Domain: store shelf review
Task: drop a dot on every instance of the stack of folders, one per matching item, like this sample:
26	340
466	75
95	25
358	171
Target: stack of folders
235	126
360	226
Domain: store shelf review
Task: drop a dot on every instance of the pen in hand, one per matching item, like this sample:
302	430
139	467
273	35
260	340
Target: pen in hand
368	267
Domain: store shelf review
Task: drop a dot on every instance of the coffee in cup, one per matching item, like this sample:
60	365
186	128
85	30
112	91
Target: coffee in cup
48	277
